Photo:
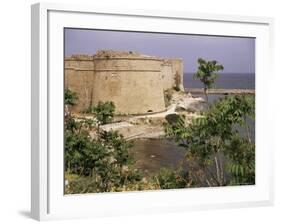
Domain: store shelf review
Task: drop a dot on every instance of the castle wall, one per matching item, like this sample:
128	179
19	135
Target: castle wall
172	73
79	77
177	72
167	75
133	84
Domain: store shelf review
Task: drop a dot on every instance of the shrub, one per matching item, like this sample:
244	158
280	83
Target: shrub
170	179
70	98
103	111
102	164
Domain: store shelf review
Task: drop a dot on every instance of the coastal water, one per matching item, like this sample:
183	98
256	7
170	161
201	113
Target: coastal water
224	81
154	154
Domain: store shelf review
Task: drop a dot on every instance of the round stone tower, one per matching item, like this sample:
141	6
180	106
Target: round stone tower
131	80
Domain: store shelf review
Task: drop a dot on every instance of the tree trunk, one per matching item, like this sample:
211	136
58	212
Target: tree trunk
205	93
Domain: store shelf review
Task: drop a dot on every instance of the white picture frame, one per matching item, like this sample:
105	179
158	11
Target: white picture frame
47	198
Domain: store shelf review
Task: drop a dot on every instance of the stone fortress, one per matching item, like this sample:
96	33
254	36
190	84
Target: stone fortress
134	82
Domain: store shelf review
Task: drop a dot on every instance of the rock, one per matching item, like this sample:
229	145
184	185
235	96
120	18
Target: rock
190	104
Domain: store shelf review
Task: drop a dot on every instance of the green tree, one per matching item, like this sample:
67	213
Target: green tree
206	73
212	140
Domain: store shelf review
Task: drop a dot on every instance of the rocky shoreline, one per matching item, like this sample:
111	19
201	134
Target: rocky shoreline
151	125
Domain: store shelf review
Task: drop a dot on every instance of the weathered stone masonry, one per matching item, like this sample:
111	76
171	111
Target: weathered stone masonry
134	82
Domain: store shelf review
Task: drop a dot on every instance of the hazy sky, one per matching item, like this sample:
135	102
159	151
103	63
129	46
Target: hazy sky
236	54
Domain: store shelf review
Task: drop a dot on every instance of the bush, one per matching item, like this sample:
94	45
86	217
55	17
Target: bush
170	179
103	111
99	164
70	98
102	164
82	185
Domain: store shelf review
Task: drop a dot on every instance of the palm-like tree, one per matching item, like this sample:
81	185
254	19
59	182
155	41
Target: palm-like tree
207	73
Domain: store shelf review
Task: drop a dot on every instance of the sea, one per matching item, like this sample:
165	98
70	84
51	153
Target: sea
153	154
224	81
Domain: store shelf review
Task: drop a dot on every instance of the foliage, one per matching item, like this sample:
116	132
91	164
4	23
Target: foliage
104	111
100	164
216	155
210	139
115	140
206	73
70	98
170	179
241	157
83	184
105	164
106	161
